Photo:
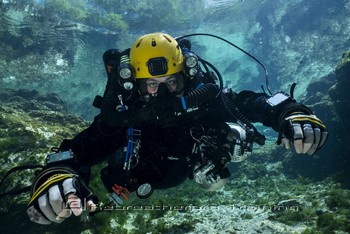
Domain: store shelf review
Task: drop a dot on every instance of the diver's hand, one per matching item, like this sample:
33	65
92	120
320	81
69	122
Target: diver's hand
306	132
58	198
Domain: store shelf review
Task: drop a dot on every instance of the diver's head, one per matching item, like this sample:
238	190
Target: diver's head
157	61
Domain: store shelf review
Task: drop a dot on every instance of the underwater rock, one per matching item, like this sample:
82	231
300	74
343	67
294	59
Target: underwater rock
340	91
319	100
328	98
28	100
30	124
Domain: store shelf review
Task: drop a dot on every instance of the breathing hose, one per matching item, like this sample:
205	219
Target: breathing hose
201	96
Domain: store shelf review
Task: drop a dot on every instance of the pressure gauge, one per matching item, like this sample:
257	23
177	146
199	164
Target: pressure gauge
144	190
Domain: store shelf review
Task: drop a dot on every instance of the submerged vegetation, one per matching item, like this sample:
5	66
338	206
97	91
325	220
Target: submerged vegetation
94	15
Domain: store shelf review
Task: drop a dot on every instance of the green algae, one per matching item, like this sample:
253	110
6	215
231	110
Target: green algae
80	11
338	198
28	129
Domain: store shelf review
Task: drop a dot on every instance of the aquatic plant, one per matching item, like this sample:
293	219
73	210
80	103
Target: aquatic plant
84	12
338	199
328	222
310	231
292	217
246	216
68	9
112	21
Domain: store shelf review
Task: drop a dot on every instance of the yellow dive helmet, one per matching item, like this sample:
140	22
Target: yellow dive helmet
155	55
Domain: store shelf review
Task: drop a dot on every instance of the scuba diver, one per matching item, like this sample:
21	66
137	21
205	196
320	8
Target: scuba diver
164	118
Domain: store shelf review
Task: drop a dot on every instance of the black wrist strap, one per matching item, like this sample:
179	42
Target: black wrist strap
291	108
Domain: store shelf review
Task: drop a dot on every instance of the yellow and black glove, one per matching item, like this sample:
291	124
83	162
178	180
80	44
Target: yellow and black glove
56	193
305	131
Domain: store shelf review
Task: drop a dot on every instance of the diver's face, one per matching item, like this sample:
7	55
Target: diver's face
171	82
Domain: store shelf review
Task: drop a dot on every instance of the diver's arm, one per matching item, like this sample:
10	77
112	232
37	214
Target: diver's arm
93	144
295	122
61	188
256	108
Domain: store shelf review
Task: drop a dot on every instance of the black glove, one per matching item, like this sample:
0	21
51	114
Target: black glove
56	193
306	132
